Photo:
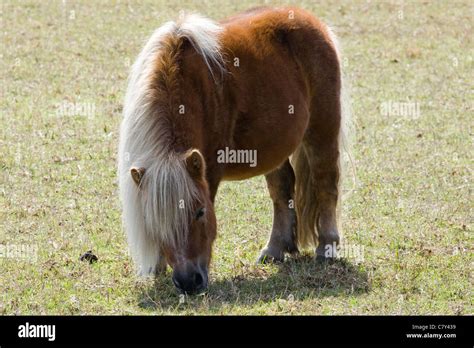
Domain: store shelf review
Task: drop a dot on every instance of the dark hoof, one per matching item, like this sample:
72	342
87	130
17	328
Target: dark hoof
324	260
266	256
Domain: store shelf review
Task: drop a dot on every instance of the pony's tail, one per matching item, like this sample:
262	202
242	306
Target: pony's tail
306	205
346	161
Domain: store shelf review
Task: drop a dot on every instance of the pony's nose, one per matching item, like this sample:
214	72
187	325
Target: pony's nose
189	283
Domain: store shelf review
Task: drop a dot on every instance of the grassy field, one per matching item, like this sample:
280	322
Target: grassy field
410	208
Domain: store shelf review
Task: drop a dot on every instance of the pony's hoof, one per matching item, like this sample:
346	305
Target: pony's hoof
160	268
324	260
266	256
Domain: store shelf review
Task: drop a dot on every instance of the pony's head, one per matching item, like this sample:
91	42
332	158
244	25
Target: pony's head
179	215
167	210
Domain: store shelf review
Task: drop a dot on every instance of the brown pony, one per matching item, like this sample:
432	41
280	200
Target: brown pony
210	101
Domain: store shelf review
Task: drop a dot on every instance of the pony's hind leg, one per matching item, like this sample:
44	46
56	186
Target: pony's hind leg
281	185
321	145
317	175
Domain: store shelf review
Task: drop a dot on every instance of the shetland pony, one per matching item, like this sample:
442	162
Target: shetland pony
265	82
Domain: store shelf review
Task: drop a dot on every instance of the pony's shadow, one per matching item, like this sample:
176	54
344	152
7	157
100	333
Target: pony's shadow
295	279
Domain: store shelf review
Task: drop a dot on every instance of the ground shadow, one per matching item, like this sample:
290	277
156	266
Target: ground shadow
298	278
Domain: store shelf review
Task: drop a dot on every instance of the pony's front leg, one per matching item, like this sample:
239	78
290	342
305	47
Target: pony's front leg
160	265
281	185
150	258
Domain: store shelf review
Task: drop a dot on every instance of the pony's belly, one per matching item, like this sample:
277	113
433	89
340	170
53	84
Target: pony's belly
261	162
244	171
265	145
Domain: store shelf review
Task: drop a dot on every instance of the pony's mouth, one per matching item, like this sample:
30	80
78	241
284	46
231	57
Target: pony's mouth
192	283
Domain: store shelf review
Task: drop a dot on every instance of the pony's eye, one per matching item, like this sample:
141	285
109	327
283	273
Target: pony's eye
200	213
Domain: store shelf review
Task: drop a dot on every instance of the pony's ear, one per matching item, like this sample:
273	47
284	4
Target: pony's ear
137	174
195	164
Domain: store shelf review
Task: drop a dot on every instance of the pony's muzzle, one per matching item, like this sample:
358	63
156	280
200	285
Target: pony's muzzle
190	282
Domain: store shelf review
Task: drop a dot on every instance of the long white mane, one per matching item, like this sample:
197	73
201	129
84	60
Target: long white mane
157	213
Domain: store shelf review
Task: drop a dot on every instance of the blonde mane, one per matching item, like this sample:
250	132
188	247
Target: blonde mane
159	211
